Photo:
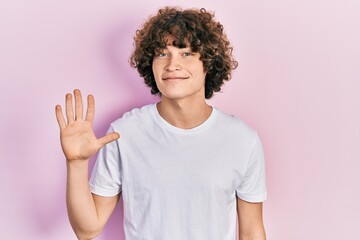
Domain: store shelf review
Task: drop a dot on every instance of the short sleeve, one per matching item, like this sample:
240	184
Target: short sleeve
253	186
105	179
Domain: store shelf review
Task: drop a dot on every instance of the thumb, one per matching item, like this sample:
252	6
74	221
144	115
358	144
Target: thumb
108	138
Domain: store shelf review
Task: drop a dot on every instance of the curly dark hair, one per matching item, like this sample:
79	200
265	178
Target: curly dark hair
194	27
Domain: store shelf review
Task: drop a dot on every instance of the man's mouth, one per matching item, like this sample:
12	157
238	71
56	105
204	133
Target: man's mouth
174	78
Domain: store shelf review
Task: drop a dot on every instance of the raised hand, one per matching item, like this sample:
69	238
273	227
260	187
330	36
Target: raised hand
77	137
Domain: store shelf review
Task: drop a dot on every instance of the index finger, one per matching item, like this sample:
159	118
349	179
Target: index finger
90	111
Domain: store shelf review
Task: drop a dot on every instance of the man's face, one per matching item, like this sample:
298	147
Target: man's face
179	72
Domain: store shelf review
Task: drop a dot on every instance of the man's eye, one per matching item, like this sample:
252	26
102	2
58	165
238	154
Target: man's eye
162	55
187	54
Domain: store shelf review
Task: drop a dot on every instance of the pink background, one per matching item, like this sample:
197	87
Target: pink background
297	84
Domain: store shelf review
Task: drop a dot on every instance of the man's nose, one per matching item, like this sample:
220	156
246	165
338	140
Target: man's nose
172	64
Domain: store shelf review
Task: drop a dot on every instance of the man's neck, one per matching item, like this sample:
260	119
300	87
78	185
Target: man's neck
184	113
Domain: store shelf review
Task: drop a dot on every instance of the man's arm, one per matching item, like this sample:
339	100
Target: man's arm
251	225
88	213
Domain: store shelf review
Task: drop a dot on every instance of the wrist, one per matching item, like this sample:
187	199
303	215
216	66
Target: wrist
77	163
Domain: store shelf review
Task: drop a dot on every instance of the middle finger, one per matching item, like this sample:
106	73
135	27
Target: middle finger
78	104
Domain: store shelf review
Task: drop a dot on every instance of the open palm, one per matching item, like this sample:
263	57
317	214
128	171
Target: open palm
77	137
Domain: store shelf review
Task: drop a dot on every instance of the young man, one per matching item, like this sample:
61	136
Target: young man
185	169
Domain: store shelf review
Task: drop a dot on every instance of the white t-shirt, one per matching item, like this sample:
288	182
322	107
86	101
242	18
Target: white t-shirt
180	184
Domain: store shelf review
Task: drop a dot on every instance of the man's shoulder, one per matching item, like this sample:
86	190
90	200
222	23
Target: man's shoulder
134	116
235	124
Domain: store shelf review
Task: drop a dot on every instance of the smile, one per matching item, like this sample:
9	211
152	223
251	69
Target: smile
174	78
